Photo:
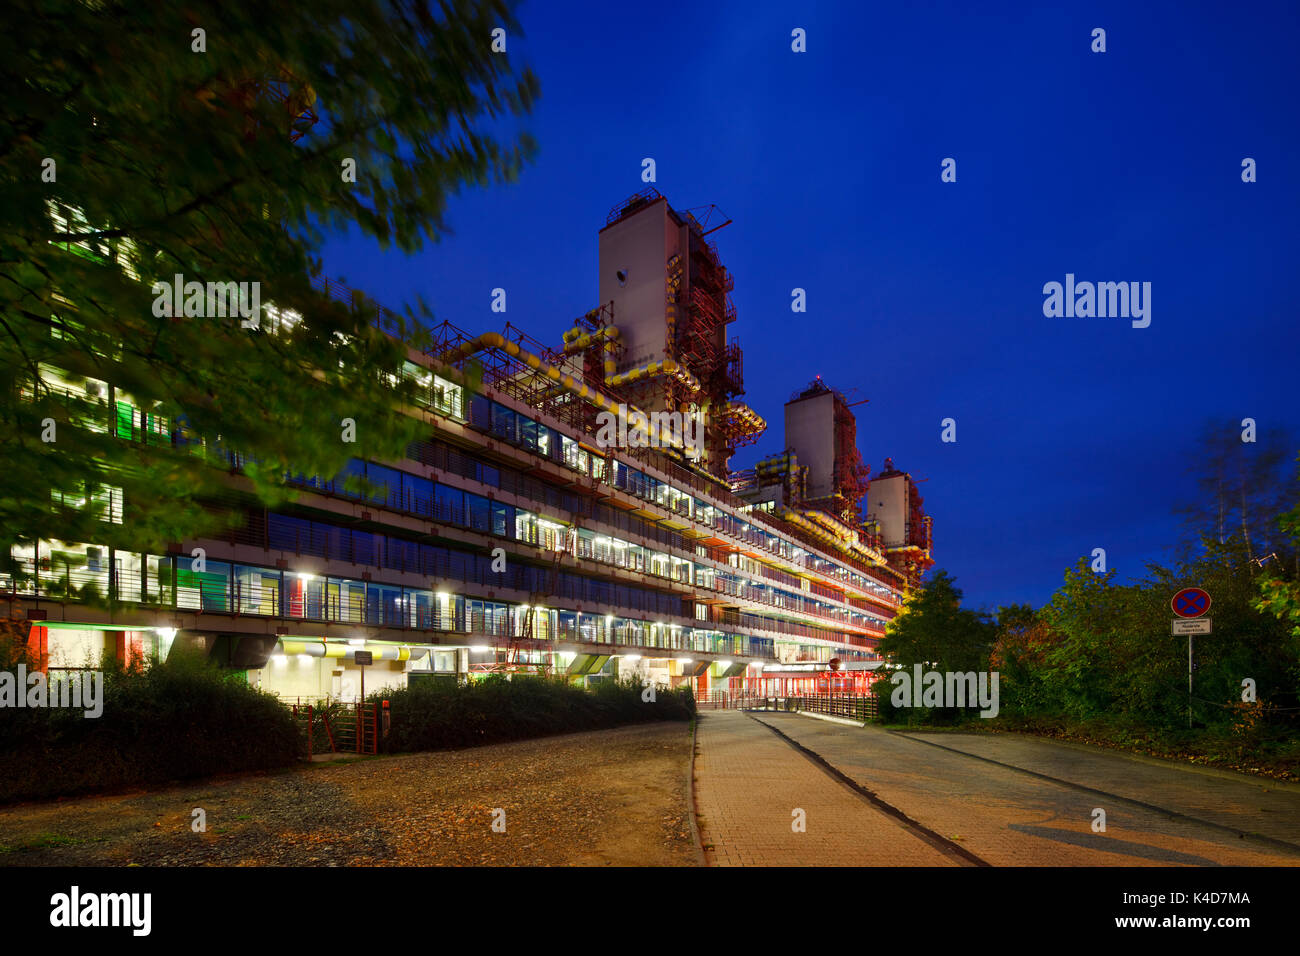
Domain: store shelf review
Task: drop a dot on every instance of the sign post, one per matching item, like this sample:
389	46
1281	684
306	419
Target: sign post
362	658
1189	604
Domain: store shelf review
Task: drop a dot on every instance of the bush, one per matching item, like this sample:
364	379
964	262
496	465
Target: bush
1248	745
435	716
160	723
882	689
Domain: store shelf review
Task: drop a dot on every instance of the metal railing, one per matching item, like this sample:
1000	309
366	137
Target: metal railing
728	700
339	726
851	707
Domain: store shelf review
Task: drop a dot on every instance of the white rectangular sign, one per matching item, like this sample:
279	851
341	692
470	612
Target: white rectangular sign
1191	625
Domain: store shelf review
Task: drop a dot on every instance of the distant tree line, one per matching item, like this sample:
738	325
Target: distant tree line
1099	658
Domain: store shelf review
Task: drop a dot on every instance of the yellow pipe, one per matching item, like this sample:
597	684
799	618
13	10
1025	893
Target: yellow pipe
577	330
312	648
585	340
301	647
797	519
777	464
743	411
668	368
495	340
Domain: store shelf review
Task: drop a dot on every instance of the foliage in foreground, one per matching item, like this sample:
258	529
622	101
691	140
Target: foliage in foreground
1099	661
1103	649
1248	743
146	141
939	634
433	716
160	723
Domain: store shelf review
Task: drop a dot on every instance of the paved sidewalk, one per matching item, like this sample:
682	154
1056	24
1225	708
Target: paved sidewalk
748	782
1255	805
1009	818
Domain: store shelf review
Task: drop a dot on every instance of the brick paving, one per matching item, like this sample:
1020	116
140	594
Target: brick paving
1009	818
1256	805
748	782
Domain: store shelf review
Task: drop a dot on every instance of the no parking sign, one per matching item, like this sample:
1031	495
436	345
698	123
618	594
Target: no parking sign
1191	602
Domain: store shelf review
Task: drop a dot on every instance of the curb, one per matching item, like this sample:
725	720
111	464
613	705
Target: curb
918	829
701	858
1165	811
844	721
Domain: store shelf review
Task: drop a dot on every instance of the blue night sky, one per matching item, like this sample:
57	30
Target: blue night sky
1073	433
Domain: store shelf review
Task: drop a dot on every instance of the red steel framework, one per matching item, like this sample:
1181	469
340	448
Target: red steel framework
701	336
848	473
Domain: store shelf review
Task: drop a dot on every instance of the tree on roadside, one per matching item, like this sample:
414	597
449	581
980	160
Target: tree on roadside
1279	594
1019	655
1115	658
218	143
936	632
1241	488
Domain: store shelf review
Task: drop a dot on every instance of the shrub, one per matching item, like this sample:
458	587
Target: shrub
435	716
160	723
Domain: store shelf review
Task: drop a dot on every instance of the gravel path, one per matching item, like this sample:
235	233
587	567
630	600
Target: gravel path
615	797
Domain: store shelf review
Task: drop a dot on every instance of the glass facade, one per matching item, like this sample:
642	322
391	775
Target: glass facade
624	564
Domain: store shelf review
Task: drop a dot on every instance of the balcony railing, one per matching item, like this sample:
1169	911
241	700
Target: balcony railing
287	597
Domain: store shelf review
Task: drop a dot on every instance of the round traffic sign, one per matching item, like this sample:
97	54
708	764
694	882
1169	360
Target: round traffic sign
1191	602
